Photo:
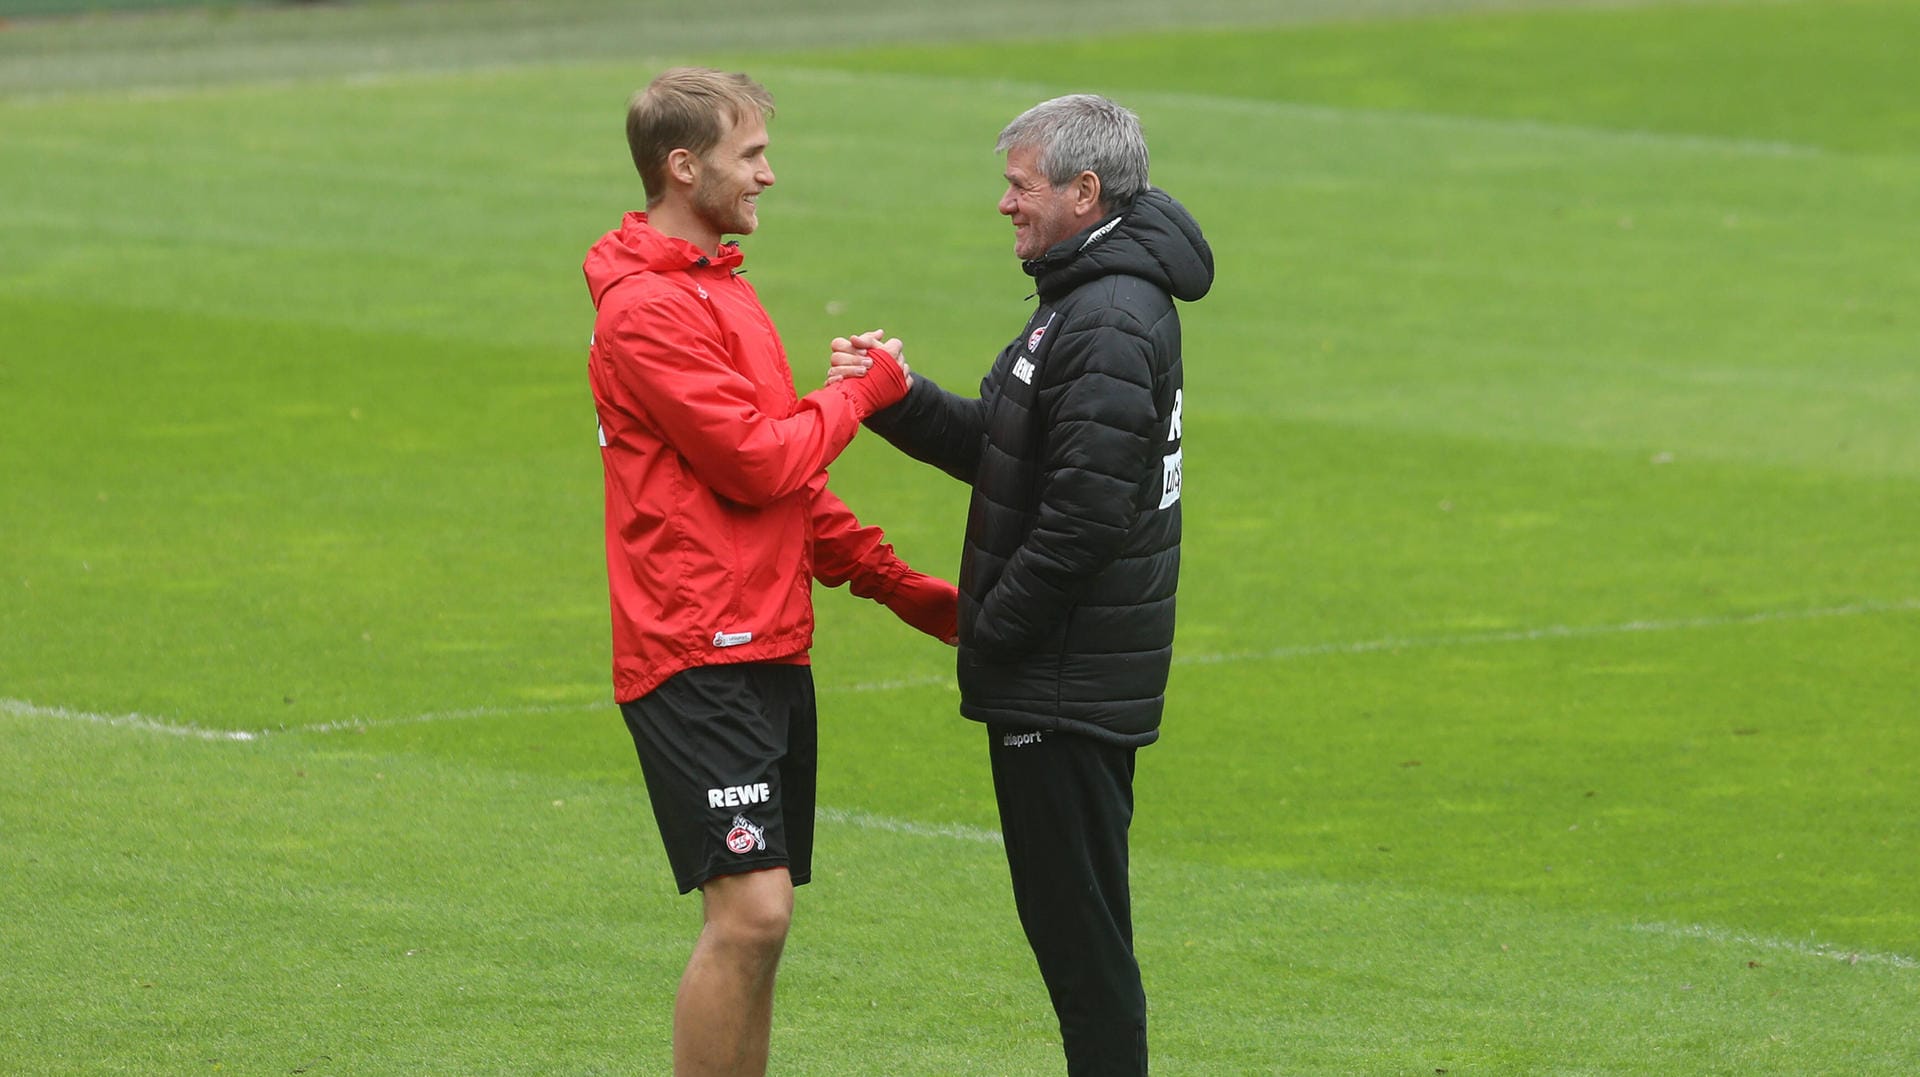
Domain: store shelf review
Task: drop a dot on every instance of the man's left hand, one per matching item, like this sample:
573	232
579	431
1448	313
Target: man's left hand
850	358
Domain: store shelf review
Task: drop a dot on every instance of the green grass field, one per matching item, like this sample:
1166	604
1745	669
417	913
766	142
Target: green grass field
1547	687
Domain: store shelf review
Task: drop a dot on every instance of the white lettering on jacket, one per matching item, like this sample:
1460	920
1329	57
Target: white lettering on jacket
1100	233
1170	479
733	796
1023	370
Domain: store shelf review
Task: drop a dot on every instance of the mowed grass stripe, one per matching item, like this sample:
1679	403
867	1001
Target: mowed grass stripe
227	46
787	68
1388	645
336	899
1810	72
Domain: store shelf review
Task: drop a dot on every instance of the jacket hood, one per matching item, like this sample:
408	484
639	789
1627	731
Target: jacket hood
1154	238
638	247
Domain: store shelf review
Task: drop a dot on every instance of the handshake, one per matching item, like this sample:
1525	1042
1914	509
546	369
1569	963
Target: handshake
871	364
869	369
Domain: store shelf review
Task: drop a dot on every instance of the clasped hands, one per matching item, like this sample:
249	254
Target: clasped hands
850	358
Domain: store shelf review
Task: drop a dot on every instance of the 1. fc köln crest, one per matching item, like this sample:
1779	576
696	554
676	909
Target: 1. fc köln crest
1033	340
745	837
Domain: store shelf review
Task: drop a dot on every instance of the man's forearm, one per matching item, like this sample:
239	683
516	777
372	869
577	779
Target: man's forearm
934	427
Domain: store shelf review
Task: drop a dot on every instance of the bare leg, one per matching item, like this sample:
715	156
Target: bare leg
723	1015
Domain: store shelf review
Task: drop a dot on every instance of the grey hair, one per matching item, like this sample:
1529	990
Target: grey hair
1084	132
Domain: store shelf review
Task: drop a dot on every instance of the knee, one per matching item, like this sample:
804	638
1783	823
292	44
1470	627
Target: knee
754	923
756	935
760	926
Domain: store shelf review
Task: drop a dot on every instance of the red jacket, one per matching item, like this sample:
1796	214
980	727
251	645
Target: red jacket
718	512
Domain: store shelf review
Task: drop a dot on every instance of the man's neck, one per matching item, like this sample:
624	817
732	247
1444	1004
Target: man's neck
679	221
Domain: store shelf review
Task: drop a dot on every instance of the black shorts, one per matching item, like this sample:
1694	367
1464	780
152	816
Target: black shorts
729	754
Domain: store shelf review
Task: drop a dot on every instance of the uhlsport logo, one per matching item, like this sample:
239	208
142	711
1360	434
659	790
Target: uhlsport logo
1100	233
1022	740
745	837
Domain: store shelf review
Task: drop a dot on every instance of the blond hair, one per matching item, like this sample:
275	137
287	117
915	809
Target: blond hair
687	108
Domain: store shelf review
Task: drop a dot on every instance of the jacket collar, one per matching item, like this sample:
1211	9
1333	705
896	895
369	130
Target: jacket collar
638	247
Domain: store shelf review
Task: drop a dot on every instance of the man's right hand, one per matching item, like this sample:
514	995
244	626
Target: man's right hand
929	604
850	358
882	384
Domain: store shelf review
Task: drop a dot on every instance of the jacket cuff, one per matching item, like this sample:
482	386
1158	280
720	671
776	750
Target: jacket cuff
894	416
878	581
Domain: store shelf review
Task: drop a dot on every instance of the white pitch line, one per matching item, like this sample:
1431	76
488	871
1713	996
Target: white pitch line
354	725
25	709
1470	639
22	709
1549	632
937	680
953	831
1823	950
1718	936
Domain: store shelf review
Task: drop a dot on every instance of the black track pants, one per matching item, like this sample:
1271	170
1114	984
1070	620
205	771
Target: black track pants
1065	805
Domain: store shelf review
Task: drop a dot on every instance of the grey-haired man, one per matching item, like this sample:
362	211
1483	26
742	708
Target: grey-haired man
1072	551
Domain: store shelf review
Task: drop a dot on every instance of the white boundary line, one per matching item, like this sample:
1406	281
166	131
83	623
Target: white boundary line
1389	644
1762	942
357	725
1551	632
952	831
1720	937
24	709
20	708
931	680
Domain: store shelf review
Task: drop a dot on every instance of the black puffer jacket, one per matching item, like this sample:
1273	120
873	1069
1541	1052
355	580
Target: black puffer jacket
1073	452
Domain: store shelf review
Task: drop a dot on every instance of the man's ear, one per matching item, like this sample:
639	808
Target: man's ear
1086	194
683	166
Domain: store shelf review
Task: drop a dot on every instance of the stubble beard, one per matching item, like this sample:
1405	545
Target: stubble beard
722	210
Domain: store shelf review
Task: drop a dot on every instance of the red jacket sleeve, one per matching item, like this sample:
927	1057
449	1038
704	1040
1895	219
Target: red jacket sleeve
667	352
846	552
